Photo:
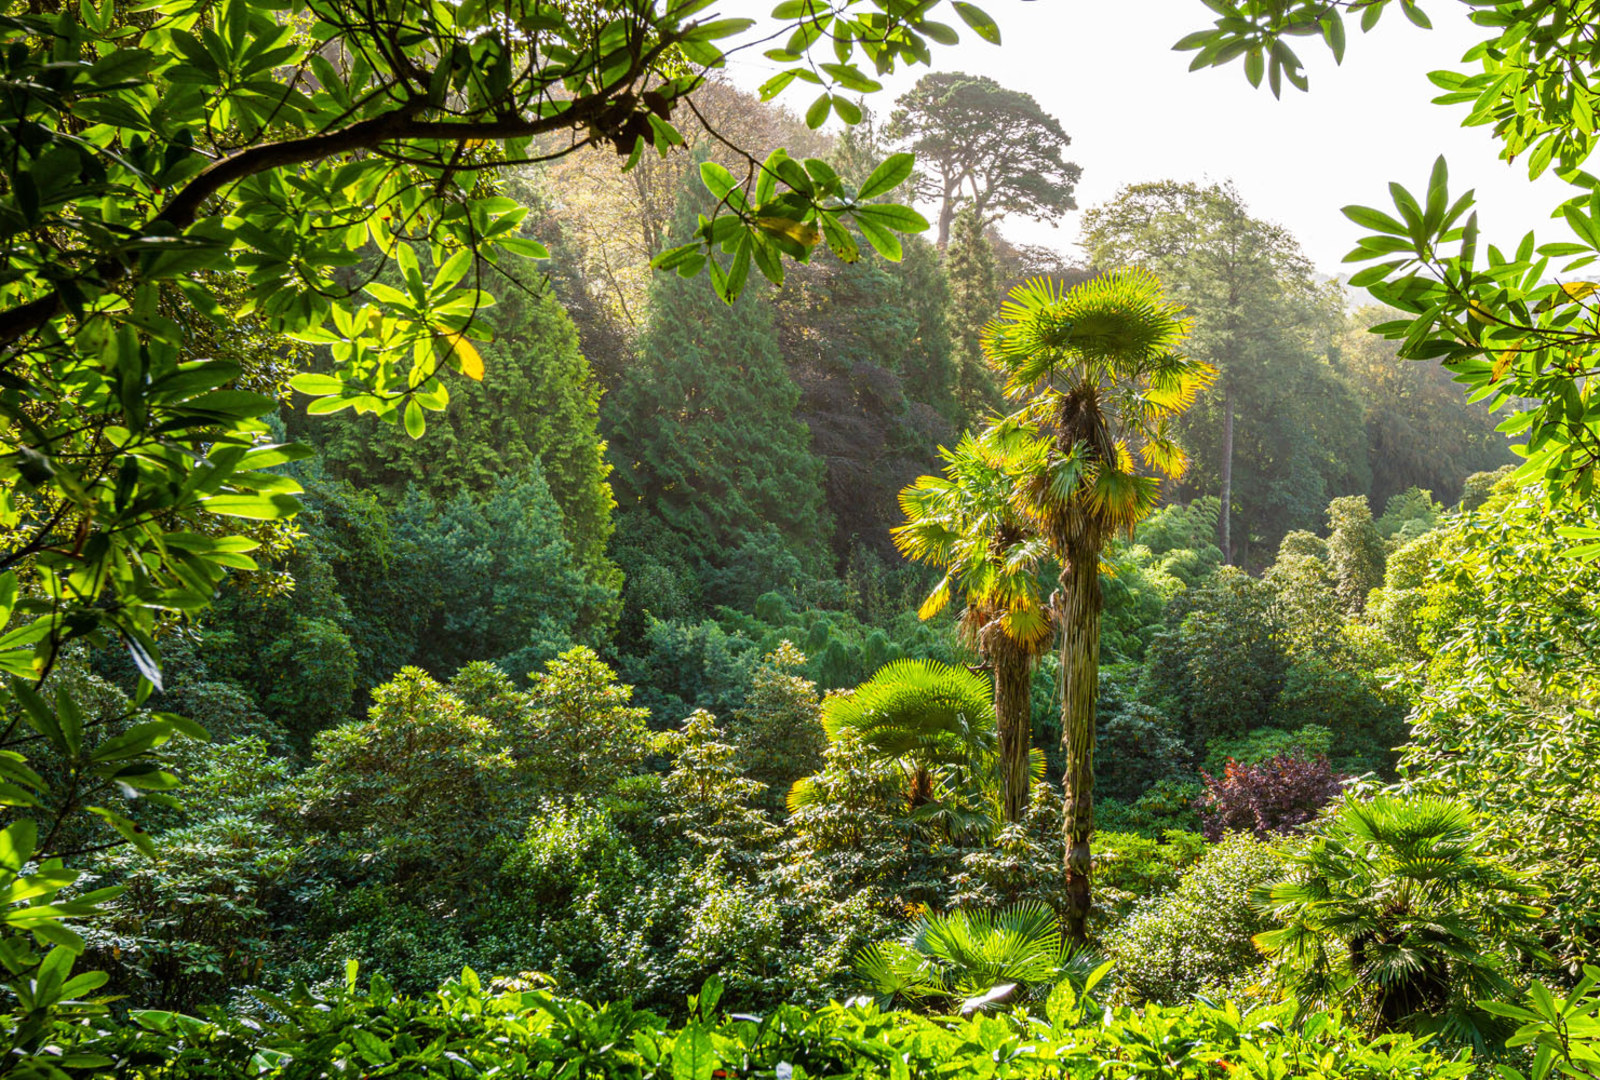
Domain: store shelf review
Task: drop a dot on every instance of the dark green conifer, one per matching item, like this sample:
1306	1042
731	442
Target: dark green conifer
703	427
538	405
974	300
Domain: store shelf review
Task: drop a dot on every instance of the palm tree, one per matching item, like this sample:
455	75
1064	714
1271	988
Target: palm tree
967	523
1096	371
935	721
1397	909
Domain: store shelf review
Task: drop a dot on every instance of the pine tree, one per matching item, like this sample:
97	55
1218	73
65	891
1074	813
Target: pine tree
703	424
538	404
974	300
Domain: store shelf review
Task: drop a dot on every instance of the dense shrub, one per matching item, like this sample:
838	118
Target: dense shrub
1022	862
580	733
1408	514
193	920
1129	867
1197	939
1397	910
1509	625
779	731
1273	797
602	918
1167	805
1218	664
415	792
1139	749
1366	720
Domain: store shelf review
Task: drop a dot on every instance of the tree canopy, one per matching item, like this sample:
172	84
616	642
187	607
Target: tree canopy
1509	323
983	146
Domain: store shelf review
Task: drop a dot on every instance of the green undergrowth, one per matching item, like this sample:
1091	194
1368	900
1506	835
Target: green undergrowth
517	1029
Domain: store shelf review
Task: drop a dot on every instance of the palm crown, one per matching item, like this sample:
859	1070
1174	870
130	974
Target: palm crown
1096	367
968	523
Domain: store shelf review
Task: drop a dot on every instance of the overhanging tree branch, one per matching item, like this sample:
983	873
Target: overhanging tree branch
183	209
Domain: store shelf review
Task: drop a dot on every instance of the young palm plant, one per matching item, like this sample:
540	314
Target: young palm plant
967	523
973	959
933	722
1095	370
1395	909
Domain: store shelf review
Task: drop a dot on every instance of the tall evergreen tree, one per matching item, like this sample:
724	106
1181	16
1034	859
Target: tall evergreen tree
969	265
537	405
492	578
867	345
703	424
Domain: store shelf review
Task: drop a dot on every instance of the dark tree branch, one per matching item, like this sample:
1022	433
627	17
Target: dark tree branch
183	208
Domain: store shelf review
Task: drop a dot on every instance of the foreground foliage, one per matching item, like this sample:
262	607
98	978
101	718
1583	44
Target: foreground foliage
465	1030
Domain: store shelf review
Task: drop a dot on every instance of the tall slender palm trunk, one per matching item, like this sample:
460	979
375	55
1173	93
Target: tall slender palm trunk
1013	709
1225	519
1080	687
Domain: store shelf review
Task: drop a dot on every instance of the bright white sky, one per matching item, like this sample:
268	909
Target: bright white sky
1105	68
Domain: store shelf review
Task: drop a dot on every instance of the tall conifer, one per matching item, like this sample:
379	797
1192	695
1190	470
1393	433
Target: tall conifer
537	406
703	428
974	300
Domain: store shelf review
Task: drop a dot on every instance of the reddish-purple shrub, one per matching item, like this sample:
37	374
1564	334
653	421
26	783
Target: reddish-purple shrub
1272	797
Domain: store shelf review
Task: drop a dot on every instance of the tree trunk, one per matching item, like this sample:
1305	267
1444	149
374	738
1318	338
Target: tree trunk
1225	522
1013	710
1080	687
947	214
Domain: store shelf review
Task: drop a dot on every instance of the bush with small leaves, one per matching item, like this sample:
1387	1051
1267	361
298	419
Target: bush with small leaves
779	730
1129	868
583	732
1197	939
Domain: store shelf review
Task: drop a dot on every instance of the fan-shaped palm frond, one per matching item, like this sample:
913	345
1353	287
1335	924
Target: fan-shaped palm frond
982	949
936	721
1113	319
803	793
967	522
963	955
933	713
894	970
1396	907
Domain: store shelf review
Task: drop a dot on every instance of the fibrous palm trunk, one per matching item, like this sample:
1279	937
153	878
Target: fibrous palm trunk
1225	520
1013	709
1080	602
